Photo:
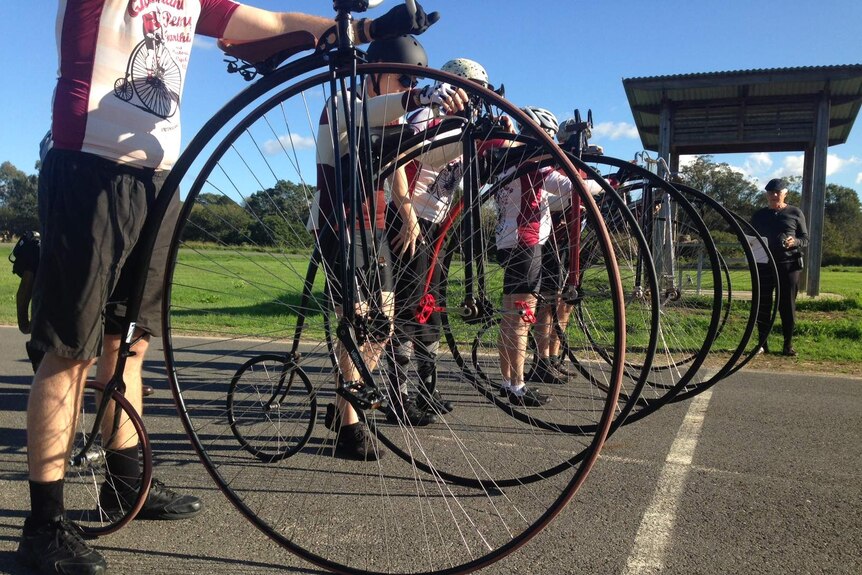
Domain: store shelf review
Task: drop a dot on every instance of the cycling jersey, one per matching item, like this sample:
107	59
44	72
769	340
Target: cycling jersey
434	176
103	70
524	217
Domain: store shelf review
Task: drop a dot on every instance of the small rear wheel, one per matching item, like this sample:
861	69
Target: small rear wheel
91	492
271	407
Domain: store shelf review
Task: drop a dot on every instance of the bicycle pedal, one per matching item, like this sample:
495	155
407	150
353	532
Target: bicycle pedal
361	395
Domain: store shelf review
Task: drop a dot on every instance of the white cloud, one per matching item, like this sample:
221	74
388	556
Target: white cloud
687	160
293	141
791	166
834	163
615	131
744	170
758	162
859	178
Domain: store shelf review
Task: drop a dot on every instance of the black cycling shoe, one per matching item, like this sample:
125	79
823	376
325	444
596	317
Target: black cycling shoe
356	442
557	362
544	371
789	351
527	397
58	547
405	410
331	420
433	402
161	503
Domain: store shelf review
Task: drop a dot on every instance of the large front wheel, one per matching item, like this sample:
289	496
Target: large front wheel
450	497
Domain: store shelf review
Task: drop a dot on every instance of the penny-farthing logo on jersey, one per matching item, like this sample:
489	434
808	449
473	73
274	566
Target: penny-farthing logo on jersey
152	73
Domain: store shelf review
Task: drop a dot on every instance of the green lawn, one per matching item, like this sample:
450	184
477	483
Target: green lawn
224	292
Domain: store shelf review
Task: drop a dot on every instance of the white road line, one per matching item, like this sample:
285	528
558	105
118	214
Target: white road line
654	533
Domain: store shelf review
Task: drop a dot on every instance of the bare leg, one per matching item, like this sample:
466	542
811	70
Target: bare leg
513	338
52	414
125	436
371	353
564	312
543	331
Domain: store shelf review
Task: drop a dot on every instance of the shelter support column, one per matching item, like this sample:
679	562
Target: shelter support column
815	218
806	193
665	132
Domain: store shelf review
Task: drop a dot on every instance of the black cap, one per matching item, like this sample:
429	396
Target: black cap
776	184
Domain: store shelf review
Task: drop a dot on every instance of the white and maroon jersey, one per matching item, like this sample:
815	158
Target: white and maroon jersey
105	65
384	110
523	214
561	203
434	176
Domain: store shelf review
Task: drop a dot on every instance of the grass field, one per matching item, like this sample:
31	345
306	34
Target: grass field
829	328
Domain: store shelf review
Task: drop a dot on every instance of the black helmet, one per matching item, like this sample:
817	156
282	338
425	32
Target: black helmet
404	49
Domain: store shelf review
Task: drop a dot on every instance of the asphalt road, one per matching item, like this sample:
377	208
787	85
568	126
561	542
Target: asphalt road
760	476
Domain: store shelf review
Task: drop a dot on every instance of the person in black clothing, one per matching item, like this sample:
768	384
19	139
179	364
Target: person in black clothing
785	230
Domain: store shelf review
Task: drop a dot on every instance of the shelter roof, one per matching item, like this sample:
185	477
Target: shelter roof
764	110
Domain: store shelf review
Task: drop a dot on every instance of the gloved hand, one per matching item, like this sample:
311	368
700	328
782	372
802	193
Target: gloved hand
400	21
441	94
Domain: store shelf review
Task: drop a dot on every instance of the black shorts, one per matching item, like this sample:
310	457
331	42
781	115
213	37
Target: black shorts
371	279
91	213
523	269
555	260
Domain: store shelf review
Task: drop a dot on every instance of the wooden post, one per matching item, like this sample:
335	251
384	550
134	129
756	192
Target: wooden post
818	195
806	193
665	132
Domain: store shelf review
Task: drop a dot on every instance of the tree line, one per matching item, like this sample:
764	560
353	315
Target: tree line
277	216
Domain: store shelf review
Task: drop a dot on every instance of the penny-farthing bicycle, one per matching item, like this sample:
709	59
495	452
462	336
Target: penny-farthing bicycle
154	76
447	498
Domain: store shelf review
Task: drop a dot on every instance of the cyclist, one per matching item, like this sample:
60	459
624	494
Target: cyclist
547	366
419	205
389	97
523	226
152	35
106	165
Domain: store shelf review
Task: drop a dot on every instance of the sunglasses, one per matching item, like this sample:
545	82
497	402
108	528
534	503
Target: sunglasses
407	81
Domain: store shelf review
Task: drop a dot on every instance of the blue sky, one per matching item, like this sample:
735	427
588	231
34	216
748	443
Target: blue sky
558	54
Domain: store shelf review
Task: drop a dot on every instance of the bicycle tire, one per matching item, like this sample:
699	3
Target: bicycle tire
199	384
87	476
689	321
739	319
271	420
475	356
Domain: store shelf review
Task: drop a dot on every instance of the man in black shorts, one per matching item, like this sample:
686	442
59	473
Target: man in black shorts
109	158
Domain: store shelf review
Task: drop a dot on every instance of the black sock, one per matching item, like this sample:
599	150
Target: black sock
46	502
124	467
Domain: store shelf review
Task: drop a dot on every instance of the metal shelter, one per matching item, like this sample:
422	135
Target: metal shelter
803	109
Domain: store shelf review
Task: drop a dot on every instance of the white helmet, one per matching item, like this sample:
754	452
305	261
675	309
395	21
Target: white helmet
543	118
467	69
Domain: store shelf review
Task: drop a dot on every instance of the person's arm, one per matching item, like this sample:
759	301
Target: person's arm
249	23
408	235
801	238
